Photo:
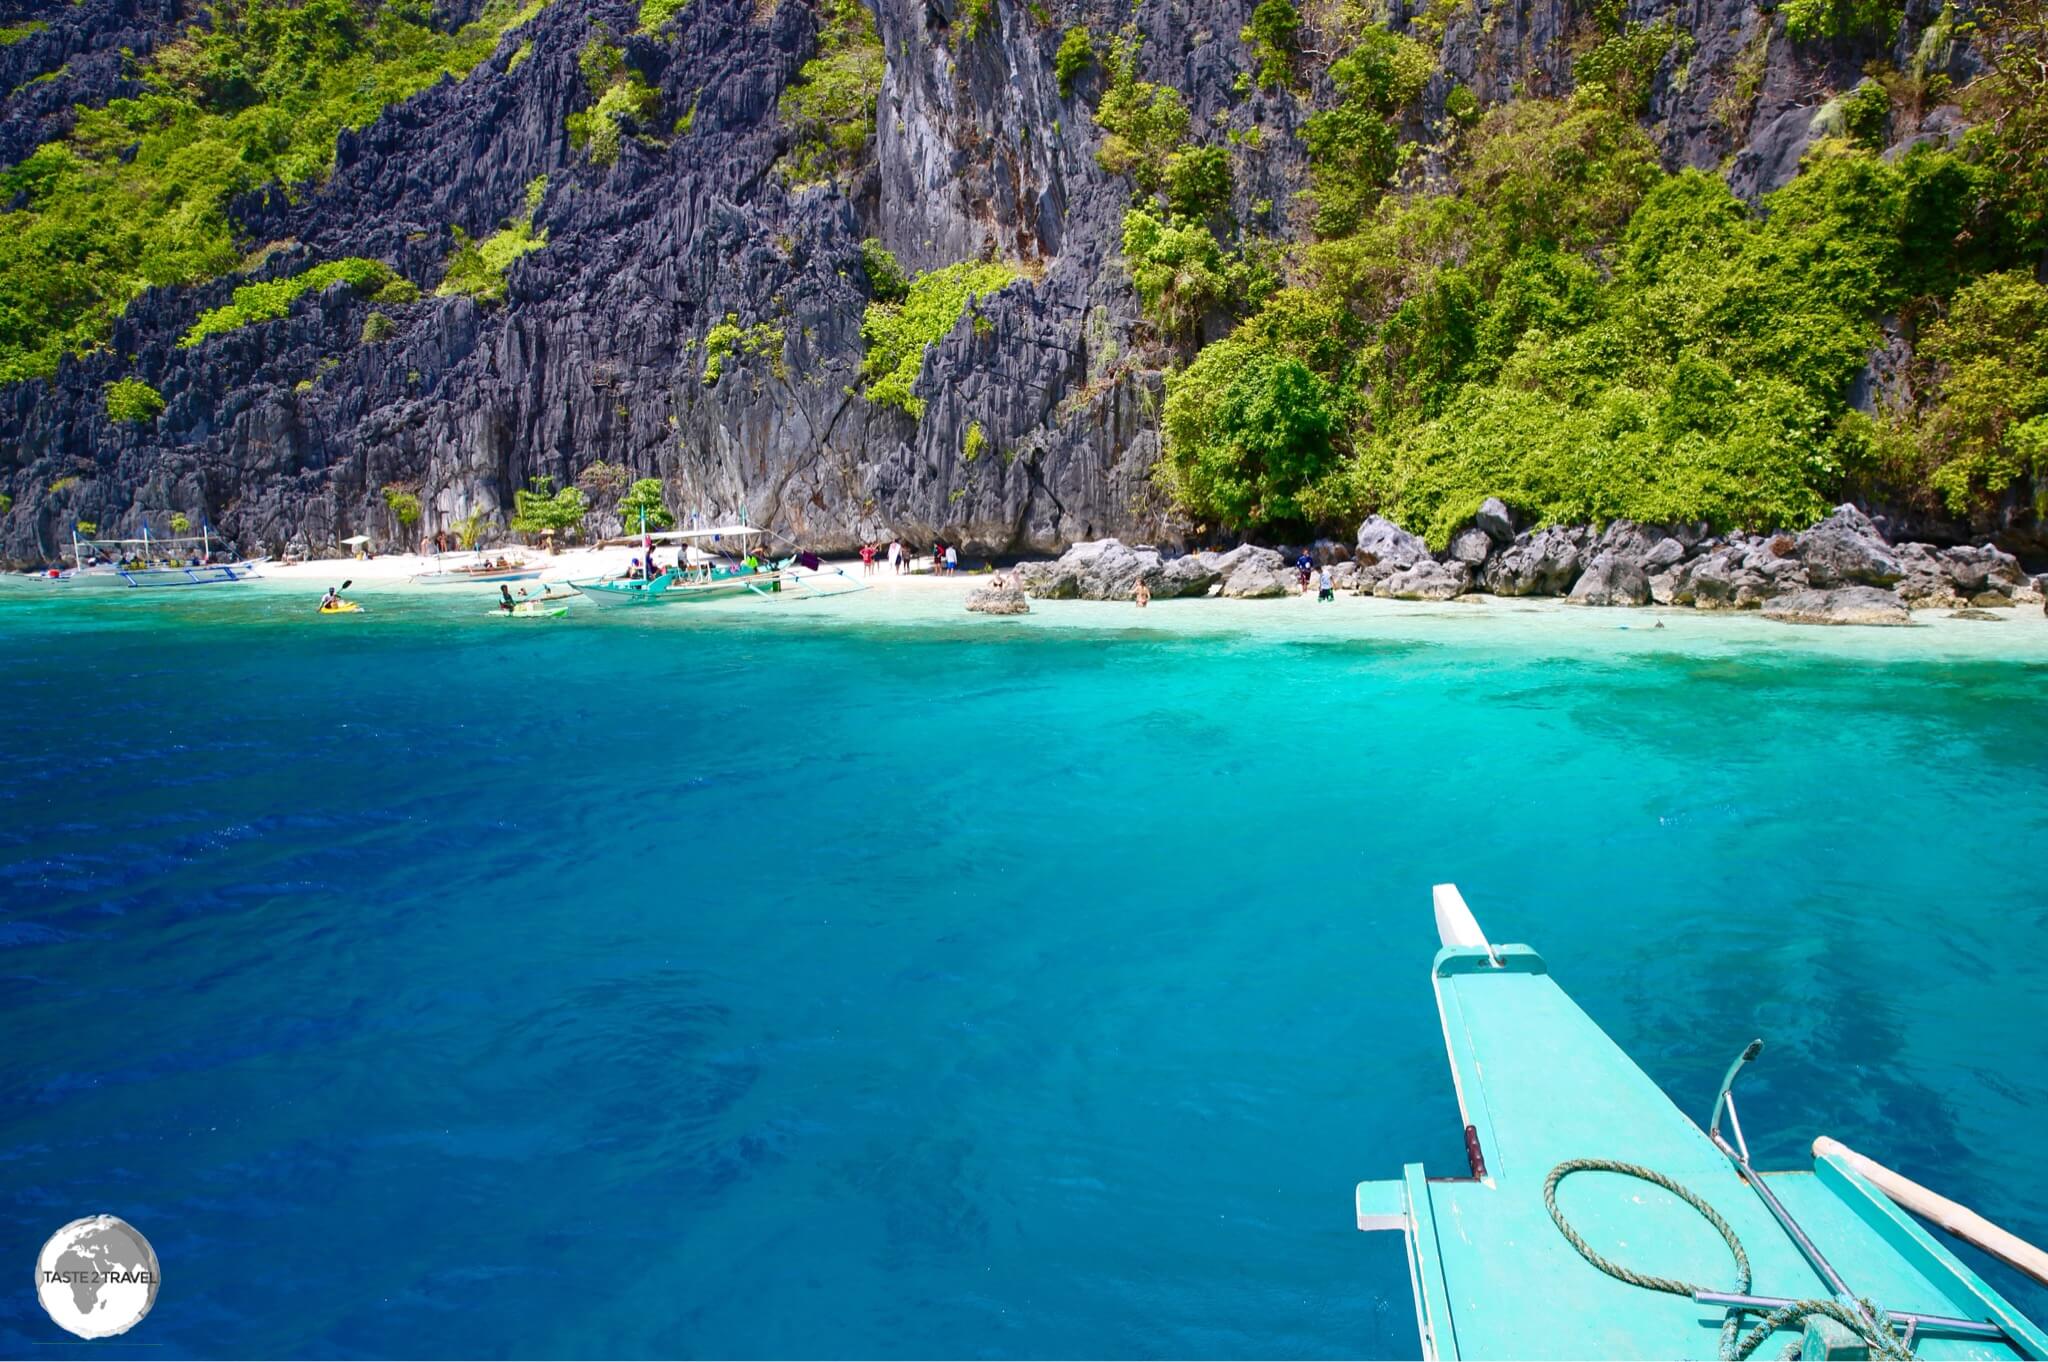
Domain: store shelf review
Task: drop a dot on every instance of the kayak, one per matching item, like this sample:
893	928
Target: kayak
531	610
342	608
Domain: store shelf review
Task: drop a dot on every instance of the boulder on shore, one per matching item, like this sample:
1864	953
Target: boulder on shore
998	600
1846	549
1544	563
1384	549
1427	580
1611	579
1842	605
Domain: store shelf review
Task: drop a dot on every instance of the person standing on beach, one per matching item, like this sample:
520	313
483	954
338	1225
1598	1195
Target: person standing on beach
1303	566
896	557
1326	586
1142	594
952	559
867	559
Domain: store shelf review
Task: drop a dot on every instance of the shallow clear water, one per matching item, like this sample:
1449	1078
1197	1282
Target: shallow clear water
864	979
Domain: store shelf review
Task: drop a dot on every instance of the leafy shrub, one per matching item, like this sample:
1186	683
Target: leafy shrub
1274	36
727	340
477	268
1814	20
136	195
378	327
1461	105
1181	273
539	507
253	303
886	280
974	15
1623	69
1142	123
1198	181
830	109
1351	146
1866	115
403	502
1988	424
655	15
618	93
645	495
1246	427
130	399
469	530
973	442
898	334
1076	54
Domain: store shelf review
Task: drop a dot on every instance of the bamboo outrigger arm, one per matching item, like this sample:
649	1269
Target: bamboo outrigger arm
1959	1220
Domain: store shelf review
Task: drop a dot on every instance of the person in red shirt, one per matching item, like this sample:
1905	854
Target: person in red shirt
867	560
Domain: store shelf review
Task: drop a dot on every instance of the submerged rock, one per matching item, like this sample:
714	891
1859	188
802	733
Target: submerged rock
1842	605
1975	614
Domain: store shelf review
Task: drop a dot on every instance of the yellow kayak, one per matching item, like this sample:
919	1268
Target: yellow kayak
342	608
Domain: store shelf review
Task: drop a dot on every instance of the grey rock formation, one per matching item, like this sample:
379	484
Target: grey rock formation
1611	579
1247	572
1841	605
1427	580
1496	520
1186	575
1846	549
1470	547
1383	549
1545	563
998	600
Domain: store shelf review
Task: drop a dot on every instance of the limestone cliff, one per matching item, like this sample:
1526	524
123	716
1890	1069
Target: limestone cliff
286	432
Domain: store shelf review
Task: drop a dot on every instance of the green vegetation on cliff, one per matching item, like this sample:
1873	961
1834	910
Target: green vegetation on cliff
254	303
137	195
1559	322
477	268
128	399
830	109
898	334
617	93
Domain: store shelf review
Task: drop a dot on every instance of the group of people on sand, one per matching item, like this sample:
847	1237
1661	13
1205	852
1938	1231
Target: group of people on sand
945	558
1305	568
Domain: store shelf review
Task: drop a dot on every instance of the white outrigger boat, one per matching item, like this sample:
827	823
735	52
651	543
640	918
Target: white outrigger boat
485	569
1583	1180
700	576
152	561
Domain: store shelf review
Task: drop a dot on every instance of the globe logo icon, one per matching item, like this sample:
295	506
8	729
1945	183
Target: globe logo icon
97	1277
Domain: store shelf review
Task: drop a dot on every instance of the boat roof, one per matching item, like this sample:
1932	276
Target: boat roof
1538	1082
671	536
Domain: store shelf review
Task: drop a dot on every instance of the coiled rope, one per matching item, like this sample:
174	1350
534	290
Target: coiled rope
1735	1345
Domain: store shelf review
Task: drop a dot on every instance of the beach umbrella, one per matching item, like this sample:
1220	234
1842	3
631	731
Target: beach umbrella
357	539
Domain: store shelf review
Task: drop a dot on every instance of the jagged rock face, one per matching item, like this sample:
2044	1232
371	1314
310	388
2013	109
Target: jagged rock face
284	433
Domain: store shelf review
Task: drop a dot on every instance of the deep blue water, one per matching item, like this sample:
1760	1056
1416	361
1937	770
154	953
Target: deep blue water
426	985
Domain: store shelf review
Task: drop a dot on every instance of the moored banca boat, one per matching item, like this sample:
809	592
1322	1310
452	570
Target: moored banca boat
1596	1220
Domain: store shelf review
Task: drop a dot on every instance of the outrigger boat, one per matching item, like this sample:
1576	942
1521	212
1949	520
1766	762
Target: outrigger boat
1583	1180
153	562
483	570
703	579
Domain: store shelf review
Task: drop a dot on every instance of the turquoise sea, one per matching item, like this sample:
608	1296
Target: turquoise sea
865	978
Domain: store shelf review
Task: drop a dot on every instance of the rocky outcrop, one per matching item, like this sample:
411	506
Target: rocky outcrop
1249	573
1612	579
1841	605
1383	549
1545	563
1846	549
1427	580
998	600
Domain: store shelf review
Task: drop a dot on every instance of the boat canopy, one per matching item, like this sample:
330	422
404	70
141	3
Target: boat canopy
675	536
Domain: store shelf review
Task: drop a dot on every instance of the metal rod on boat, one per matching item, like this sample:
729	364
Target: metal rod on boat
1947	1324
1726	1098
1954	1217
